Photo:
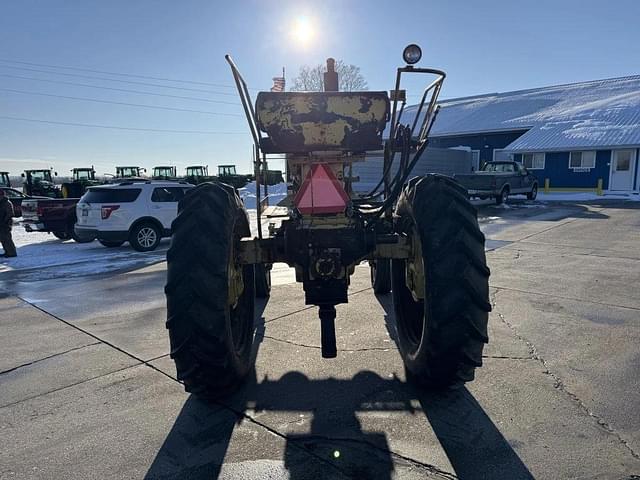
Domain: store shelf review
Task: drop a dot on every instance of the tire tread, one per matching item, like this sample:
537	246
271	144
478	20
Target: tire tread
210	217
456	278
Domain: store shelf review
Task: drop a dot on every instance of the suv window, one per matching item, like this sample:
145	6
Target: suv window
111	195
167	194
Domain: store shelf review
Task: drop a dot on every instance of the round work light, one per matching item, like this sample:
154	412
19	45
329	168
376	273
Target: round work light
412	54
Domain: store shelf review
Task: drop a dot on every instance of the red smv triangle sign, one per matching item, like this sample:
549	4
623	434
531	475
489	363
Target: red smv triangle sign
321	192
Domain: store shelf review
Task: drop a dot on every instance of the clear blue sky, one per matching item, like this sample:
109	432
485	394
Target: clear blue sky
484	46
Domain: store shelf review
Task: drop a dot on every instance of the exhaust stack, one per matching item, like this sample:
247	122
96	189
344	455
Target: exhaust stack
331	76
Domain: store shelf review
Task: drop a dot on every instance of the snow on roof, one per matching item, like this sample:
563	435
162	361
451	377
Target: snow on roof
599	113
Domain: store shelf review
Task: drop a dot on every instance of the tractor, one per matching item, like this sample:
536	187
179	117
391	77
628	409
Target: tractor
39	183
227	174
82	179
5	181
164	173
129	172
197	174
419	234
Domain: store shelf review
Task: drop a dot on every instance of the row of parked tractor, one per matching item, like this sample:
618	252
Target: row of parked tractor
47	206
40	182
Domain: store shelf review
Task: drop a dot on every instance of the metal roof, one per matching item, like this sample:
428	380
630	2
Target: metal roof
595	114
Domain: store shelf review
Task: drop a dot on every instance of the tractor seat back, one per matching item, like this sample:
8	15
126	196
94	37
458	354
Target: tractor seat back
302	122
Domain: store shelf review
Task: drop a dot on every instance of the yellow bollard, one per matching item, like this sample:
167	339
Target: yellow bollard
599	187
546	185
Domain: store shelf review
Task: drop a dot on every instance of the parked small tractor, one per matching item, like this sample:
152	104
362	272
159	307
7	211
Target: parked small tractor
227	174
39	183
420	236
164	173
197	174
129	172
82	178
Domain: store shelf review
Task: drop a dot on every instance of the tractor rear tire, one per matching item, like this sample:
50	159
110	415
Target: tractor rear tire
210	328
263	280
380	276
441	333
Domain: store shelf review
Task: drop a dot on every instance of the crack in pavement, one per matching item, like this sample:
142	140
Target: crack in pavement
558	383
288	314
507	357
558	225
369	349
48	357
80	382
565	245
317	347
573	299
310	307
26	399
570	254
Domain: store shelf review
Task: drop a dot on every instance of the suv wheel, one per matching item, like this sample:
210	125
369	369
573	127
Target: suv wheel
144	237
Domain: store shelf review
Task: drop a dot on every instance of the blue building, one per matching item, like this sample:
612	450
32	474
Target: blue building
573	135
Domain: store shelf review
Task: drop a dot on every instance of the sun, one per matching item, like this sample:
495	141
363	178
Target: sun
303	31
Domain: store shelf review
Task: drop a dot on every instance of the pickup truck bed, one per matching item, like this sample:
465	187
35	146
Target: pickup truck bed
57	216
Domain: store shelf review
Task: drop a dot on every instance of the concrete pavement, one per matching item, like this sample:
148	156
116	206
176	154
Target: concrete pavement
87	389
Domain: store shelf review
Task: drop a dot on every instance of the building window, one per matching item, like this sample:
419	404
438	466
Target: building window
582	160
623	160
533	161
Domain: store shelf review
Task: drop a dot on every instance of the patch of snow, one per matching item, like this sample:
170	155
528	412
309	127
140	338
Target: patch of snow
276	193
41	256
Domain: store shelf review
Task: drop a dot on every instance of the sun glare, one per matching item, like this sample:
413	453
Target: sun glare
303	31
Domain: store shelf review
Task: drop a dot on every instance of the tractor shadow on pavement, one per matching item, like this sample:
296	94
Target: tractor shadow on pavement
473	444
320	422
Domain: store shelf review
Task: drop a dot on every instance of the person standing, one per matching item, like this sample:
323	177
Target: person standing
6	222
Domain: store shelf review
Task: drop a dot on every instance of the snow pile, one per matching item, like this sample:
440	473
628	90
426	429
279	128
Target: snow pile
276	193
42	256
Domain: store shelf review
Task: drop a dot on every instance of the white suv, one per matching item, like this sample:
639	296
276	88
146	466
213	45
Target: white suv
139	212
